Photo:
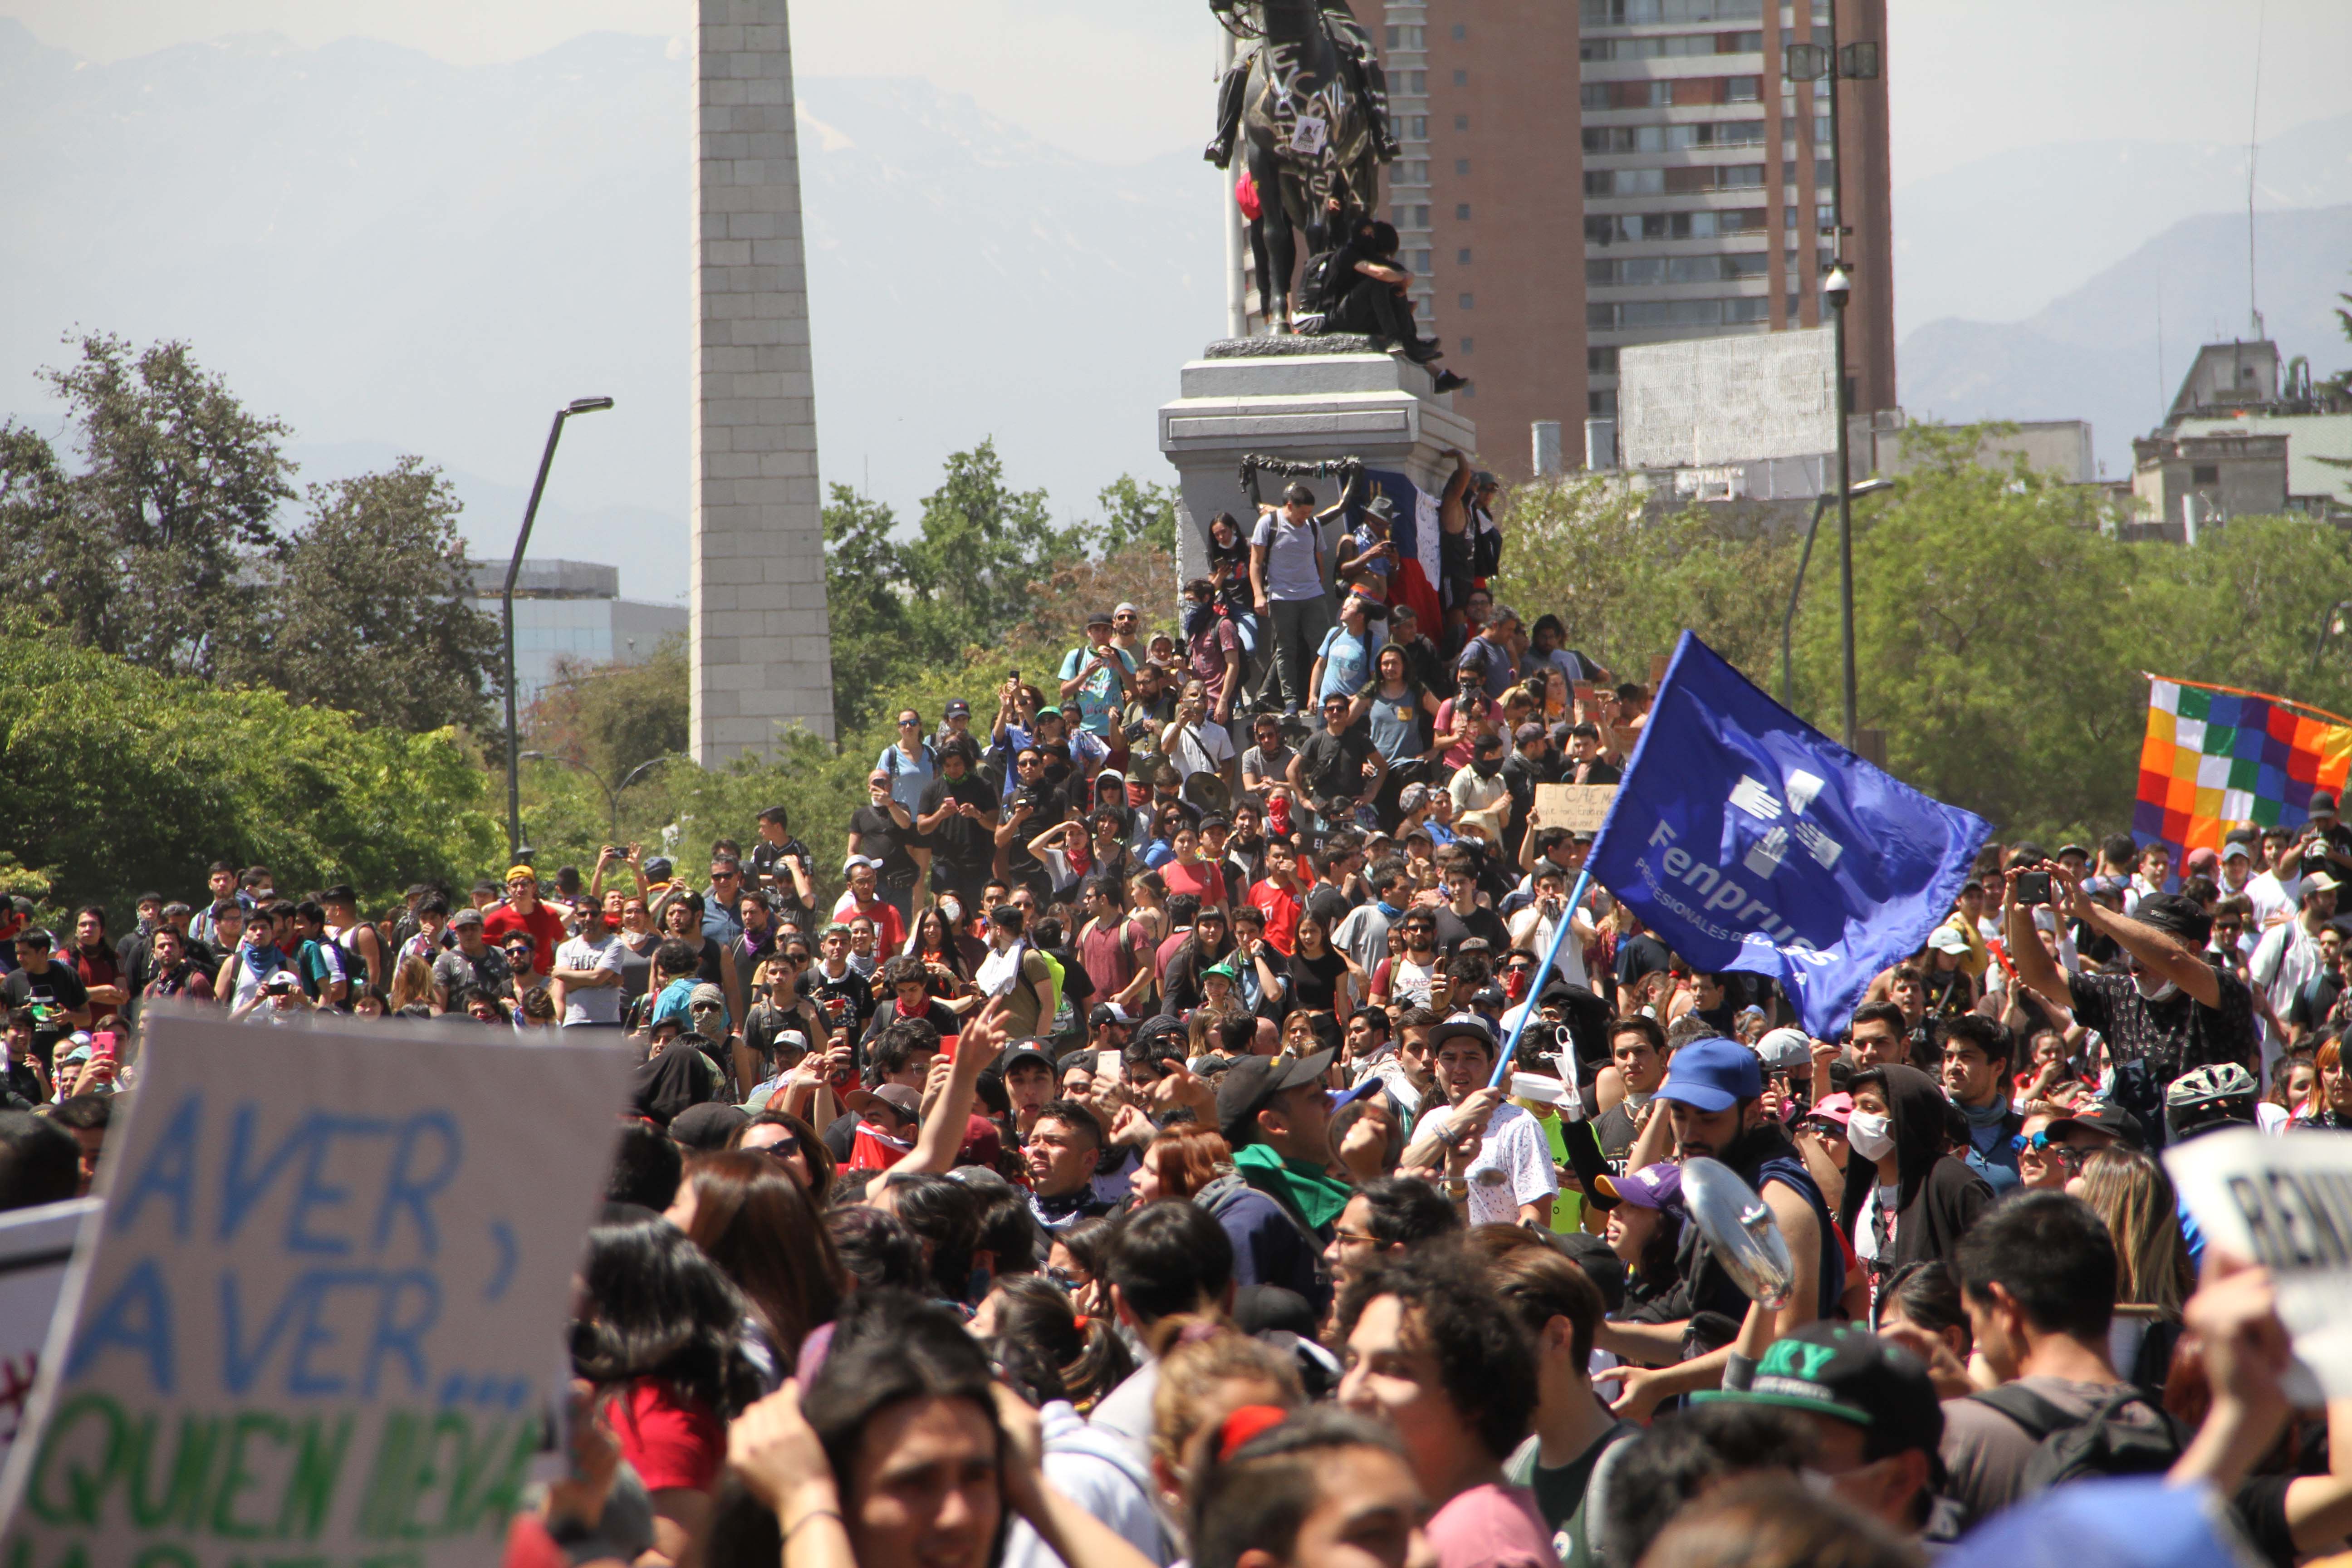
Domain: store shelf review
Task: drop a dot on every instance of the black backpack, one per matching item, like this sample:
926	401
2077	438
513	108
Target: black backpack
1314	283
2073	1448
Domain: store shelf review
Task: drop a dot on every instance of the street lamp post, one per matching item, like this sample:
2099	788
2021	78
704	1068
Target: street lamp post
506	613
1826	61
613	791
1789	619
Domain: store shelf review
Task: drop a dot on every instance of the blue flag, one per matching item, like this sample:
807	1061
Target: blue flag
1750	841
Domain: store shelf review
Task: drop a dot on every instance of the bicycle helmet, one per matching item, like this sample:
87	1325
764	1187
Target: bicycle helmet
2207	1097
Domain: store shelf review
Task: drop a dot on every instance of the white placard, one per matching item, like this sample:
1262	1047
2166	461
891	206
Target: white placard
314	1321
1697	402
2286	1204
35	1245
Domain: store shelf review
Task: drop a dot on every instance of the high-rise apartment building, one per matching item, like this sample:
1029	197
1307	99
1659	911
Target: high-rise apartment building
1486	199
1698	179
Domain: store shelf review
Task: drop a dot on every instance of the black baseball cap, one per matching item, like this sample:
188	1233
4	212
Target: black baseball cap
2103	1116
1848	1373
1251	1084
1023	1054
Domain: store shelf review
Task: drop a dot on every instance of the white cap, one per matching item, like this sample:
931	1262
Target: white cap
1948	939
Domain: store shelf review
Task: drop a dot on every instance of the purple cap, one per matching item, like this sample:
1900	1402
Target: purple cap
1651	1187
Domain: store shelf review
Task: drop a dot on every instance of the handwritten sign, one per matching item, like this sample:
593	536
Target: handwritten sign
2285	1204
315	1320
35	1245
1580	808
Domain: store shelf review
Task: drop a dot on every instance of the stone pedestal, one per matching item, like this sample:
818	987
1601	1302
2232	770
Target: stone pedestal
762	650
1305	399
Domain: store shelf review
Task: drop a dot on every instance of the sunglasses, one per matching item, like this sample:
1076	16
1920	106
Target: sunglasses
780	1150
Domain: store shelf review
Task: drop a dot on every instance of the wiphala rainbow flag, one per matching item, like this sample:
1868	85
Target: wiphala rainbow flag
2216	758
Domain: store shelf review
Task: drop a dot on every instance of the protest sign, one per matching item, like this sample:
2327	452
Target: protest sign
35	1245
318	1320
2285	1204
1580	808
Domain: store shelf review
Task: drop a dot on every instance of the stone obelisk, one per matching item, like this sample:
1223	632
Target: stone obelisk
762	661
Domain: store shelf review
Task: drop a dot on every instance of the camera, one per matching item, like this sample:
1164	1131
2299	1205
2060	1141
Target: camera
2032	888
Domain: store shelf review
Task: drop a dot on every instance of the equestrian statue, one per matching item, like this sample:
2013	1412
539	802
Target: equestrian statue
1312	102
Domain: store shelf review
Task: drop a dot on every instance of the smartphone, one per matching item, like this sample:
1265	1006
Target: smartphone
2032	888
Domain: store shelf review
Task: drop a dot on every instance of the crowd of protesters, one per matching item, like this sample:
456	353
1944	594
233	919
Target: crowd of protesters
1119	1170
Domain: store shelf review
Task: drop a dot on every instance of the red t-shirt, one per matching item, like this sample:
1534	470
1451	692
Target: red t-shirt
1111	955
673	1441
1281	915
1201	879
545	930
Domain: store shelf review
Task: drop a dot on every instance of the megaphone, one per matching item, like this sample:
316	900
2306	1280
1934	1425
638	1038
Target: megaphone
1740	1226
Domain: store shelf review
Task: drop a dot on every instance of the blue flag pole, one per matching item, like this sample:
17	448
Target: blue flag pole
1535	987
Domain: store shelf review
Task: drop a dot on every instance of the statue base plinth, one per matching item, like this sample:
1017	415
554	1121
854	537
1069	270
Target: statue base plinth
1309	399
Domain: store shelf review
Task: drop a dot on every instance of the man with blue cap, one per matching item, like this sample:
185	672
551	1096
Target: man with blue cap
1714	1094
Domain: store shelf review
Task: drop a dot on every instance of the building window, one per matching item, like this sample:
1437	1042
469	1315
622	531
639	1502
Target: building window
1601	405
1415	81
1461	166
1601	362
1469	346
1420	214
2205	474
1422	262
1406	38
1675	313
1460	32
1652	12
1462	212
1417	127
1462	301
1460	123
1462	79
1462	256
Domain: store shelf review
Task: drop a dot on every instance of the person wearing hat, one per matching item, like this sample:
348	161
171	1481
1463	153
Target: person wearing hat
1281	1205
1509	1180
1095	677
470	962
861	898
523	911
2169	1012
2290	955
1714	1098
1946	988
1275	1116
1876	1420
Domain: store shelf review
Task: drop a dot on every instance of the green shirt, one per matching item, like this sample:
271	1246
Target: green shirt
1306	1188
1560	1493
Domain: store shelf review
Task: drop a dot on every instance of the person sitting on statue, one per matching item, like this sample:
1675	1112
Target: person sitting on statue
1368	295
1359	68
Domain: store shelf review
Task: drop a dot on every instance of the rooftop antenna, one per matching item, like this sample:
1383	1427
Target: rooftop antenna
2161	397
2253	144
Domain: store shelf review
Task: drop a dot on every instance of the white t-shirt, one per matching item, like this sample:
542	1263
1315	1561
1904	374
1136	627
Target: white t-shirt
2273	899
1515	1146
1200	749
591	1004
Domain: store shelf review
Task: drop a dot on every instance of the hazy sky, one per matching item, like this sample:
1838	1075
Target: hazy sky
1114	79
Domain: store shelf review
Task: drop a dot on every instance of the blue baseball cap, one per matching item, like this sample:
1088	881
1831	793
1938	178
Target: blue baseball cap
1713	1074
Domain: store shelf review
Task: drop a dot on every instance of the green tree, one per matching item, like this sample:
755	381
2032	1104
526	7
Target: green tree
370	608
121	778
981	545
1135	512
611	719
143	552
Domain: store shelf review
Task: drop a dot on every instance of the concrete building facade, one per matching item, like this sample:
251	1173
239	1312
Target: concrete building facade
762	660
2184	485
1486	197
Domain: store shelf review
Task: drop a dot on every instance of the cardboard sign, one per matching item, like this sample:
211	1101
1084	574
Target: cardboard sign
1580	808
2285	1204
317	1319
35	1245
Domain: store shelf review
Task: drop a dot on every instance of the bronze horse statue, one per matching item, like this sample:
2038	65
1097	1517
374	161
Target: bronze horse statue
1312	148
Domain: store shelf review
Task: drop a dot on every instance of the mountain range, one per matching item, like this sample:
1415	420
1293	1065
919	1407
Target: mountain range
397	254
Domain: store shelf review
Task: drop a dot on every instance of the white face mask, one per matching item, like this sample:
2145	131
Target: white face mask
2164	992
1870	1135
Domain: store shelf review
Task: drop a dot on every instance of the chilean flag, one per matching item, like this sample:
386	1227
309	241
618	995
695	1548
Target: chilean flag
1414	533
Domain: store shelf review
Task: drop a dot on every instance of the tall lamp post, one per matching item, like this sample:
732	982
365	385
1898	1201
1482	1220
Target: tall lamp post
506	611
1789	620
1809	62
